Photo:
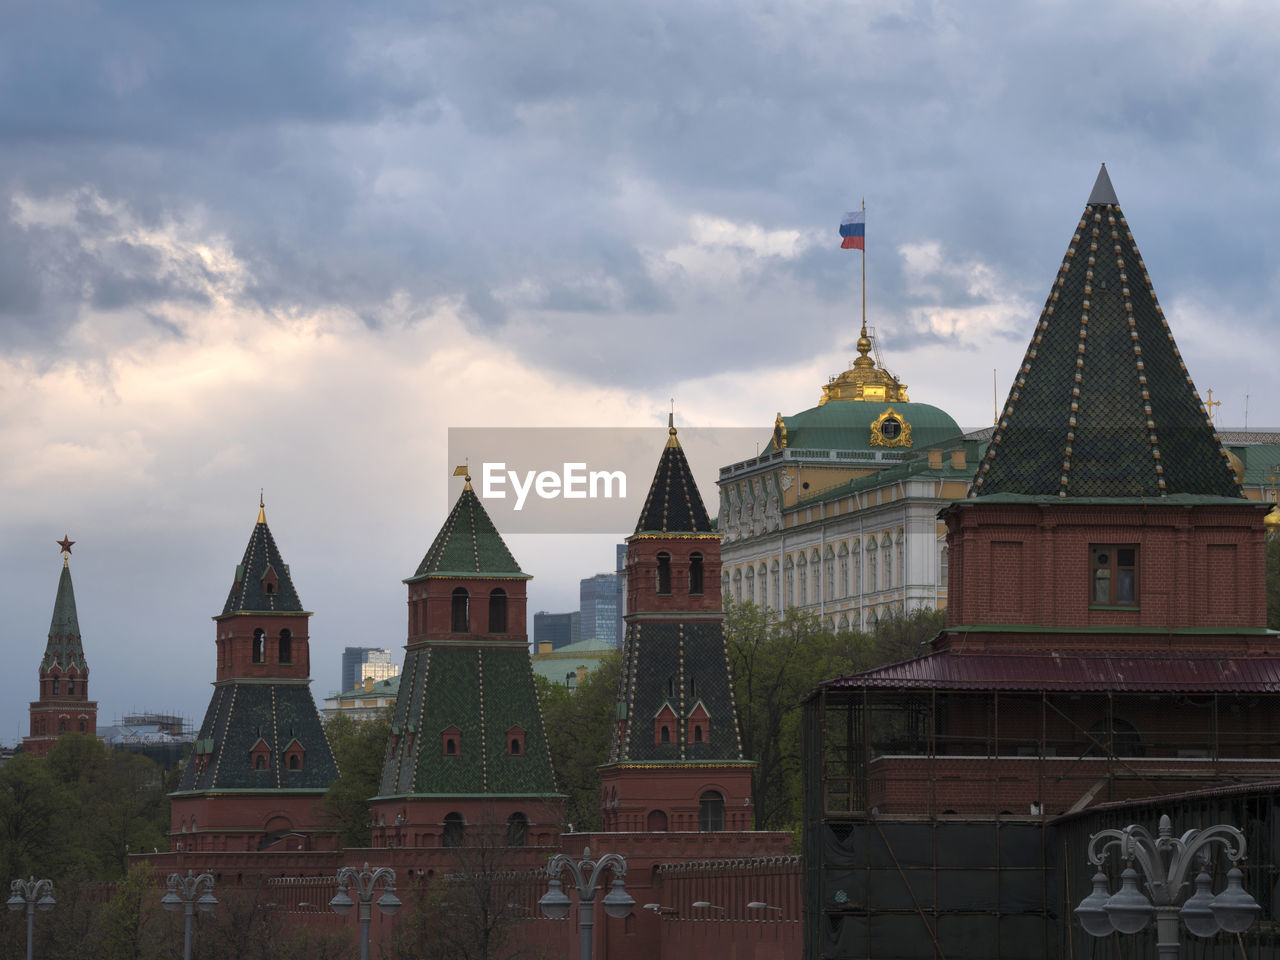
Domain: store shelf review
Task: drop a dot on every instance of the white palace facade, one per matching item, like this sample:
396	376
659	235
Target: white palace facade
838	515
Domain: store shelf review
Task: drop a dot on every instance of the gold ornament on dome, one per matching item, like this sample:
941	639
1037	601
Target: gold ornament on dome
779	433
890	430
864	380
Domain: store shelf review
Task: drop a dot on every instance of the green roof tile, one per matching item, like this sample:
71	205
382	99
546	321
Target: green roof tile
64	648
469	545
1102	405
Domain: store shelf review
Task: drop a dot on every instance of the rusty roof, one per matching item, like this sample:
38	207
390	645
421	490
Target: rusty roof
1075	672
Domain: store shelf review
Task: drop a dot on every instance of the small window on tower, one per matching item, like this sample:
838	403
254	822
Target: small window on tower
259	646
55	686
286	646
664	573
461	619
695	573
71	685
497	610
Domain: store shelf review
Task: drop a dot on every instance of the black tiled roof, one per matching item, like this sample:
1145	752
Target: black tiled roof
1102	405
674	504
682	665
64	648
239	715
248	592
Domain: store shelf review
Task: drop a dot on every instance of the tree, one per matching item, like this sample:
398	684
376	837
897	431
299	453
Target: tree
579	726
359	747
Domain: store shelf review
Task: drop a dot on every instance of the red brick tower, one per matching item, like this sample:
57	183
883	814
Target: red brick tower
676	762
467	752
64	705
262	764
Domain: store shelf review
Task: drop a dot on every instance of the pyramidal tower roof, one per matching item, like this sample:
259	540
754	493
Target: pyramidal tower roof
64	648
262	583
674	504
469	545
1102	405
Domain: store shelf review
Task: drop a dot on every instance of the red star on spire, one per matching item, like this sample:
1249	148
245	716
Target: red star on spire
65	544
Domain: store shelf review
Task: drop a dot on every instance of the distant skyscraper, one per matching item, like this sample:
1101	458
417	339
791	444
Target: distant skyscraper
557	629
361	662
598	607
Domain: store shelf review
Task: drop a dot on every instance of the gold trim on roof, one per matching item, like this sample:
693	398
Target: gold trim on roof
881	438
864	380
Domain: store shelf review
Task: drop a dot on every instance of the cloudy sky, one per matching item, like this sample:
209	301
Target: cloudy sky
288	245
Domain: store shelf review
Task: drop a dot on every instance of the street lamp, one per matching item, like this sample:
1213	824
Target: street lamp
190	886
1165	862
586	875
761	905
31	894
364	881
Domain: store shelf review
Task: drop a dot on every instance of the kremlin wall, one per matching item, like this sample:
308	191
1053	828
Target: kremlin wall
1099	554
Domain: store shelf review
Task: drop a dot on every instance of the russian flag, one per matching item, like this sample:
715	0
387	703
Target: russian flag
854	230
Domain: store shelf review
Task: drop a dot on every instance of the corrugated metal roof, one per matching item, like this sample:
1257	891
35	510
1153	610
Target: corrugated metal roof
1120	672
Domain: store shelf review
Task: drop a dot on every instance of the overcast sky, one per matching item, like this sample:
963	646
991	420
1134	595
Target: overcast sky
287	245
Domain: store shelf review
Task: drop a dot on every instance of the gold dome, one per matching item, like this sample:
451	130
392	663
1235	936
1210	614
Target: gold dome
1272	520
1237	465
864	380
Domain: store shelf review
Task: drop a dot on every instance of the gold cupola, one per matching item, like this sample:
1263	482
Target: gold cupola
864	380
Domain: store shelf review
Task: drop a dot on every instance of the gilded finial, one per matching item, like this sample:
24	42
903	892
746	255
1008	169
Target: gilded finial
464	471
671	427
66	544
262	507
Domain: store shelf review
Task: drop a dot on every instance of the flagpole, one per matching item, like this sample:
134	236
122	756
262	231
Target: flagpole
864	269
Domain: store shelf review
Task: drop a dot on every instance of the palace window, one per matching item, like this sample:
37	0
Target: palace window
802	575
828	575
751	585
711	811
1114	575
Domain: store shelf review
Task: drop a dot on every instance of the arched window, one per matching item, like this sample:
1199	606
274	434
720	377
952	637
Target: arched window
789	569
451	836
451	742
516	741
657	821
697	734
259	762
286	646
259	646
943	570
451	748
517	830
497	610
750	595
664	573
774	590
666	734
829	575
55	686
762	585
71	686
82	727
886	563
62	726
295	762
1124	739
737	585
902	562
872	584
695	573
711	812
461	619
843	556
857	567
802	578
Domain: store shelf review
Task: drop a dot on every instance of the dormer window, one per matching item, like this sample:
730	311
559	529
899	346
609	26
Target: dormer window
664	573
270	582
294	756
260	756
515	742
695	573
664	722
451	742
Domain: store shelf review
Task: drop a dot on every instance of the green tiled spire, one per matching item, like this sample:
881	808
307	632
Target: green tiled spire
262	583
1102	404
469	545
674	504
64	647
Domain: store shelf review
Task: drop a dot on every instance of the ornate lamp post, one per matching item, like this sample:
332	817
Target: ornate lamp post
364	881
31	894
1165	862
185	892
586	875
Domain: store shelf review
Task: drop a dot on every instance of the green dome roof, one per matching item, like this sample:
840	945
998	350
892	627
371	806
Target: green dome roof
847	425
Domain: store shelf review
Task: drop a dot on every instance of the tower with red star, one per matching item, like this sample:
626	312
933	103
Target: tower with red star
64	705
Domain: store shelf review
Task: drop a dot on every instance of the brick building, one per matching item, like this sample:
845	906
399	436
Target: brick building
1106	641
